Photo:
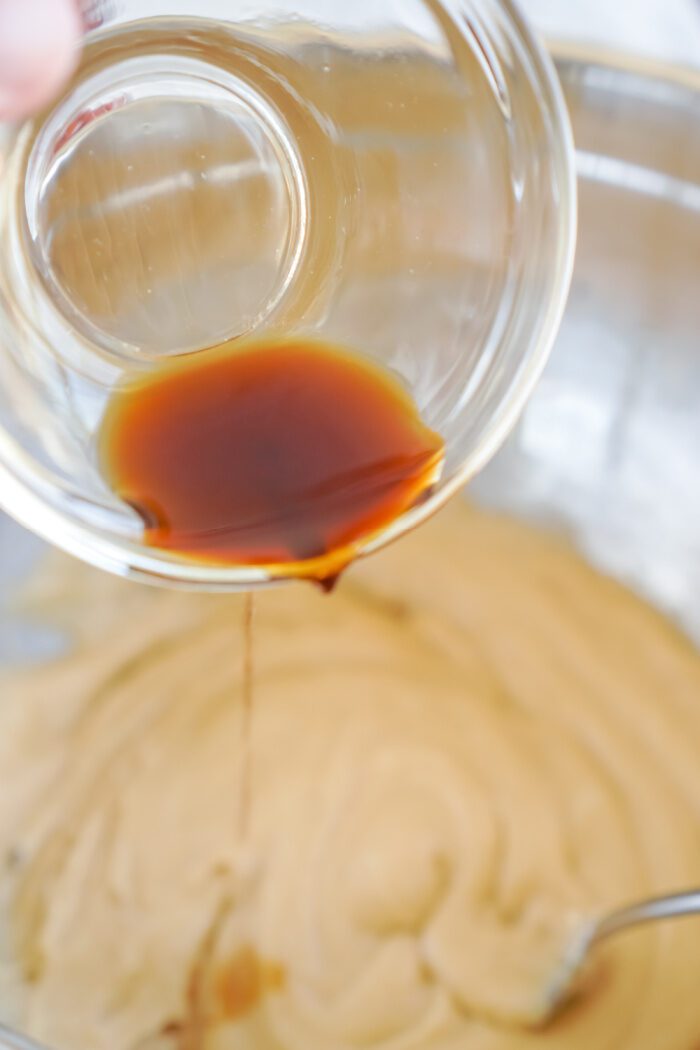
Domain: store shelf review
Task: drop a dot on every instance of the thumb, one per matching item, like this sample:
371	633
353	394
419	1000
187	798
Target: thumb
39	45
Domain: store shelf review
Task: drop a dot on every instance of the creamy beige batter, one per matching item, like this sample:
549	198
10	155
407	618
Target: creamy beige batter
476	742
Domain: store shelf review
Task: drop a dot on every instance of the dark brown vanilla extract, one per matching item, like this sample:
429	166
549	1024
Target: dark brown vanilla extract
280	454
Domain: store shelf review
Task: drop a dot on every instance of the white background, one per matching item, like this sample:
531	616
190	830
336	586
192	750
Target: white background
668	30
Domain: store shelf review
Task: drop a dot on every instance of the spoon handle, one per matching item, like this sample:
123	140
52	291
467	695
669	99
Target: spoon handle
668	907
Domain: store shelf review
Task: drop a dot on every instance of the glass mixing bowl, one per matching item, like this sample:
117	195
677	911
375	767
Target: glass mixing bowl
396	178
607	447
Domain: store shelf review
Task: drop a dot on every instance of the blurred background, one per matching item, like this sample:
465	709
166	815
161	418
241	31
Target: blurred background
666	30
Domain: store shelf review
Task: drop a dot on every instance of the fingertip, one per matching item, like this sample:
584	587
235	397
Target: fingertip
39	46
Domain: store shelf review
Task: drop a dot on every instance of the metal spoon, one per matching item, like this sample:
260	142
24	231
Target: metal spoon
579	951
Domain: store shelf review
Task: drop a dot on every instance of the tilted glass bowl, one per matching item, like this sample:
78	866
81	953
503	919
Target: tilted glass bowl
397	179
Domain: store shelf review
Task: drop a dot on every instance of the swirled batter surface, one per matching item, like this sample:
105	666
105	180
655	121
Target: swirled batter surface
474	744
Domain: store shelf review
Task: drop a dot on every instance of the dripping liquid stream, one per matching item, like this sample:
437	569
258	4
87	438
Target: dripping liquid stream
245	787
287	455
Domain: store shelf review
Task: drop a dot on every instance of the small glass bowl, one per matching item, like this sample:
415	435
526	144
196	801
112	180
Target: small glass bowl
395	178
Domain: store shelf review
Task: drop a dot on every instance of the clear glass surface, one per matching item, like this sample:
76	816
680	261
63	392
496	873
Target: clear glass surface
396	178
